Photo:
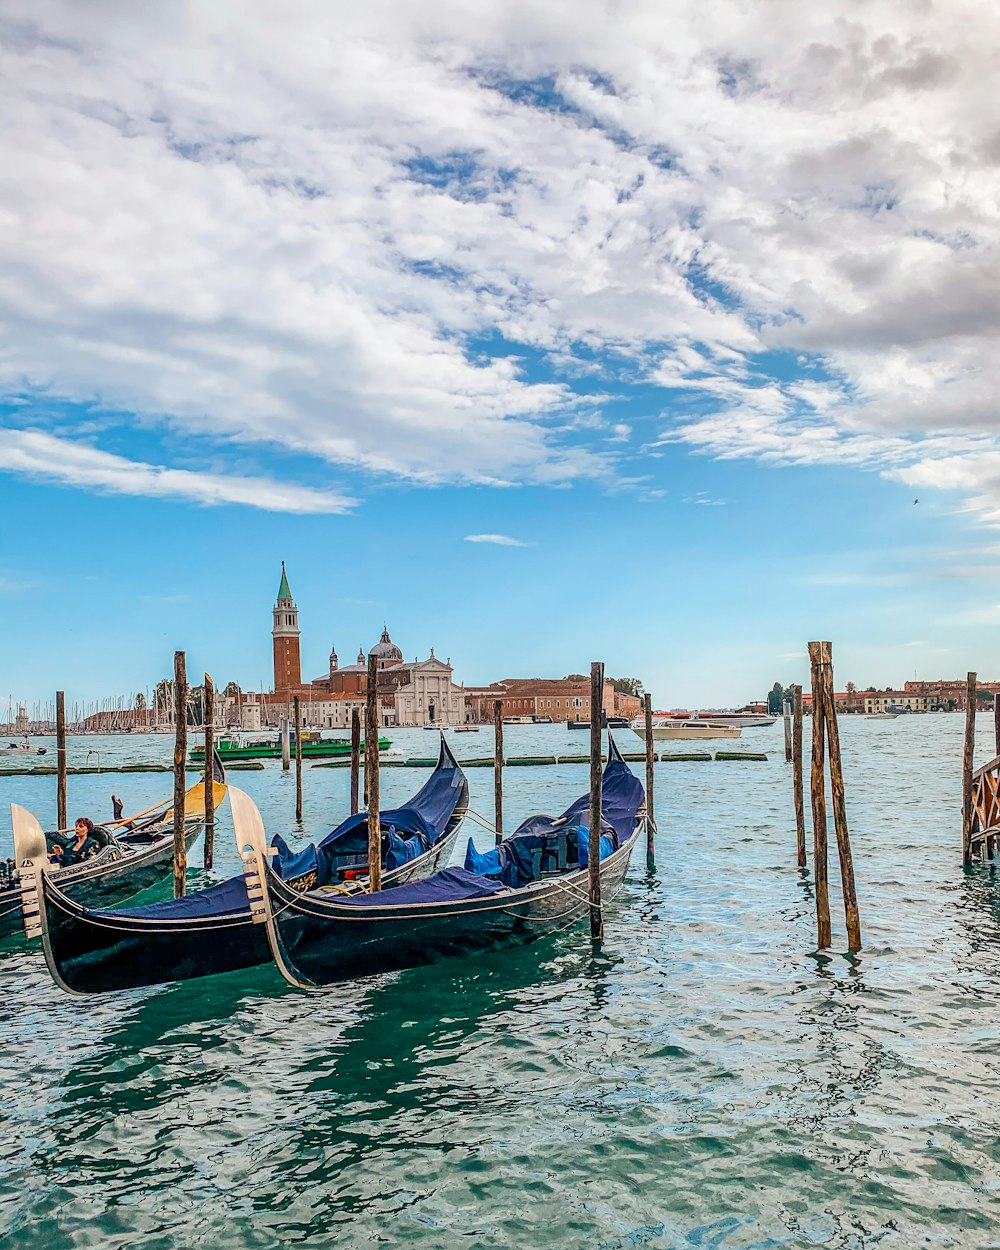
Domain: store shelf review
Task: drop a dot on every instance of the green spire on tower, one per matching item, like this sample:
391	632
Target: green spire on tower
284	594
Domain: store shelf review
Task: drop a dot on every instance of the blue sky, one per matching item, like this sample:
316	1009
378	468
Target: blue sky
686	308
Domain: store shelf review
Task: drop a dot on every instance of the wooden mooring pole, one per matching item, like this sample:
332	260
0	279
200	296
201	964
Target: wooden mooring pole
817	789
61	817
180	752
647	706
286	754
852	915
787	709
209	846
596	778
996	724
355	758
797	787
298	760
967	758
498	768
371	778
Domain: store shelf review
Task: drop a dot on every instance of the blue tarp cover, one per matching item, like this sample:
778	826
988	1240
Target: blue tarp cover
217	900
543	845
407	831
450	886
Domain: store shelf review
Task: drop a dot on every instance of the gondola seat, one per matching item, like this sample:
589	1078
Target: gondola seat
539	848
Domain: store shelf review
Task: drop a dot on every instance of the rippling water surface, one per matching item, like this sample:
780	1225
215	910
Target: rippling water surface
709	1080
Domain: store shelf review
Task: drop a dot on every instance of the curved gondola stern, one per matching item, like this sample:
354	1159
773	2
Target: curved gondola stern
256	855
32	857
446	758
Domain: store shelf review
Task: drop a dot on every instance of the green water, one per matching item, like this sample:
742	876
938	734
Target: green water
708	1081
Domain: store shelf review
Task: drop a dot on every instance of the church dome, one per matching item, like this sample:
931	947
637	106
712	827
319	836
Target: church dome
385	649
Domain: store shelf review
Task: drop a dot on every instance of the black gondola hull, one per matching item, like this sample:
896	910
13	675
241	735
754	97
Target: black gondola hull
320	941
93	951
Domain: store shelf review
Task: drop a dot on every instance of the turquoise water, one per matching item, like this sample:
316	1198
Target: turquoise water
709	1080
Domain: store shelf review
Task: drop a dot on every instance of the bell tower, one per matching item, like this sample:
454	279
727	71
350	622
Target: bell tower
285	638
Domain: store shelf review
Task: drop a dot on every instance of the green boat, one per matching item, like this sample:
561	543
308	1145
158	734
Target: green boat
313	747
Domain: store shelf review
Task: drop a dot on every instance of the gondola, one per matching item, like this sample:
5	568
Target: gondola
213	930
534	882
135	853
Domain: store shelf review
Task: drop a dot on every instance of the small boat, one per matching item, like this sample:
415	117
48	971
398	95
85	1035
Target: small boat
435	728
882	716
669	729
518	720
25	748
743	720
313	747
213	930
137	855
534	882
466	729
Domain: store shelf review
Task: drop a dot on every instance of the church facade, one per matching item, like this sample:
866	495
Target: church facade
421	692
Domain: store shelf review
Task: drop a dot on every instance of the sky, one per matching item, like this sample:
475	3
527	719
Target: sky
663	335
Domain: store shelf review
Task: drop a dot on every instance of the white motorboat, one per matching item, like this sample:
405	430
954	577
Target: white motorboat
882	716
743	720
671	728
25	748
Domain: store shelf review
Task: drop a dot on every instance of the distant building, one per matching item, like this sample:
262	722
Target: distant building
555	699
421	692
285	639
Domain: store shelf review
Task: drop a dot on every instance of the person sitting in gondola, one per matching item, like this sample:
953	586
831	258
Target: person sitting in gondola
81	846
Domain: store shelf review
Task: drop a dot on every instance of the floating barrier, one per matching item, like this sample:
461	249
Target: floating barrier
666	756
739	755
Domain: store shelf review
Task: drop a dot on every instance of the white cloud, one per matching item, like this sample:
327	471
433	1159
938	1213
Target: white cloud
45	458
500	540
977	476
309	228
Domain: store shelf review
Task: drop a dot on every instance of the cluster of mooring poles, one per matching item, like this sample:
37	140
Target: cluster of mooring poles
371	772
980	789
825	741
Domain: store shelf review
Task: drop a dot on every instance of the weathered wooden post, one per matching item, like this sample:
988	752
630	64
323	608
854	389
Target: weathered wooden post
209	771
996	722
797	786
180	751
967	759
596	777
817	788
851	913
371	778
498	767
298	760
61	818
286	750
647	703
355	757
786	706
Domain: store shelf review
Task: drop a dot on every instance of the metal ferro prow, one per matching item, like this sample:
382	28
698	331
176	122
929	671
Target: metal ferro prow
32	859
251	842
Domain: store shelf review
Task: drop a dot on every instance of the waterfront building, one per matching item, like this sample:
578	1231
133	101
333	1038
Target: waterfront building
421	692
285	638
556	699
